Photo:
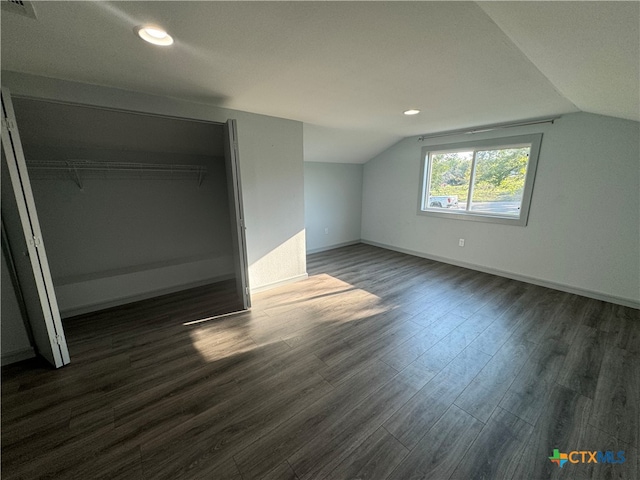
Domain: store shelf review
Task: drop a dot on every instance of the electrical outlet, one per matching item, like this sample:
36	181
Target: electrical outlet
461	242
326	230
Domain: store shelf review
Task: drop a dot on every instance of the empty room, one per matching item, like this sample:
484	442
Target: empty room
320	240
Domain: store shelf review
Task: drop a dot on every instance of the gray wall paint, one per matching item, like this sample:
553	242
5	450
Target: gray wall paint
126	235
123	221
583	224
270	152
14	341
333	200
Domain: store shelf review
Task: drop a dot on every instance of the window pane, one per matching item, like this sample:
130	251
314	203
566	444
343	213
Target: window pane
499	180
449	180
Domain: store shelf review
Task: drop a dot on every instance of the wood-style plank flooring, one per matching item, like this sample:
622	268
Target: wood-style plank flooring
379	366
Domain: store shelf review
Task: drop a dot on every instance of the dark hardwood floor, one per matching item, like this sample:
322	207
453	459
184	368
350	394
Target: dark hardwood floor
379	366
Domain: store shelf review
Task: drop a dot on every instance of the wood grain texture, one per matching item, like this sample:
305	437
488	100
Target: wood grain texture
563	425
281	472
595	439
327	412
374	459
527	396
380	365
438	453
488	388
318	457
581	367
617	397
496	451
410	423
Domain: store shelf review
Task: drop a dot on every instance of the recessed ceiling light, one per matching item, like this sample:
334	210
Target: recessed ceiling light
154	34
411	112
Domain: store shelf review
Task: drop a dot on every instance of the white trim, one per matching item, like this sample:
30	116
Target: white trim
534	140
279	283
55	351
515	276
331	247
17	356
238	234
94	307
87	293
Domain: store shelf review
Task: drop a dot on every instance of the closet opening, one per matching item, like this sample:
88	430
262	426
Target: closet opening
141	214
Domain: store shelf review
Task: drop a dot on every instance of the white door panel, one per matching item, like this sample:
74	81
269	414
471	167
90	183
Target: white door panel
237	212
37	285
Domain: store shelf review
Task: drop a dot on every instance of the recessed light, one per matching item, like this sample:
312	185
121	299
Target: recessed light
154	34
411	112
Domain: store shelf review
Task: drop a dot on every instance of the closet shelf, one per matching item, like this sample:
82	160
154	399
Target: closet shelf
75	167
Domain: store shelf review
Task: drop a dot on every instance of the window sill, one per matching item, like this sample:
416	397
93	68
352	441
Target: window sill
474	217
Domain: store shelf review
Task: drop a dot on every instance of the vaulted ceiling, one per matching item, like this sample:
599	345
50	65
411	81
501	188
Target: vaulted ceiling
349	69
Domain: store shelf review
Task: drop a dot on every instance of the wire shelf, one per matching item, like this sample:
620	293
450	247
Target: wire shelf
75	167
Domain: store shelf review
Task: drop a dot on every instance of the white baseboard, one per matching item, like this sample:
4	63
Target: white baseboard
514	276
94	307
280	283
331	247
89	293
17	356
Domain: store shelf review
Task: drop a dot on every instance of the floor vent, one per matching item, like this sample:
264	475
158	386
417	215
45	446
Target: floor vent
19	7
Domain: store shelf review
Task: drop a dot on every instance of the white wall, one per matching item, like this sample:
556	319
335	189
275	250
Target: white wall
270	151
14	342
584	223
333	201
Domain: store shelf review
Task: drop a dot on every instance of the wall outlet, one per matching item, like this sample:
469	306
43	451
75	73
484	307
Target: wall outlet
326	230
461	242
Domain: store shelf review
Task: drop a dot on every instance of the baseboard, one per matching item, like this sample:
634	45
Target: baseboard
514	276
87	293
17	356
331	247
84	309
280	283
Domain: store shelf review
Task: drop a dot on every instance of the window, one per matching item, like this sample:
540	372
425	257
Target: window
485	180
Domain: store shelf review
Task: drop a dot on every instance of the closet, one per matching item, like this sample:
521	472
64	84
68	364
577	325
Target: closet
129	205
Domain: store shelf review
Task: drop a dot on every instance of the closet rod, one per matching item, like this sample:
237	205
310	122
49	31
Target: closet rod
116	166
75	166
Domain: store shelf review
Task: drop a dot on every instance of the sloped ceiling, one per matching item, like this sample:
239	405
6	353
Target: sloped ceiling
590	51
349	69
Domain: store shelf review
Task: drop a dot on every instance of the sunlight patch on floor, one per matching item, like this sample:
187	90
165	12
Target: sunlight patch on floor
283	314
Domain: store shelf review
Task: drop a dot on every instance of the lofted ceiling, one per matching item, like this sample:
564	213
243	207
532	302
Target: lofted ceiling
349	69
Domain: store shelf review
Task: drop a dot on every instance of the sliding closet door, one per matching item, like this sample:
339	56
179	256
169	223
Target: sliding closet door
237	212
23	229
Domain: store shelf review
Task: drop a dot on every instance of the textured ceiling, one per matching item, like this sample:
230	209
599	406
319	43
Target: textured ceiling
349	69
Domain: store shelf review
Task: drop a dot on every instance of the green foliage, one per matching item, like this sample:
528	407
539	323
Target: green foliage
450	174
499	176
496	166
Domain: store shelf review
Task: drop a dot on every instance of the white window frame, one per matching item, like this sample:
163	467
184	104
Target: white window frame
534	140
